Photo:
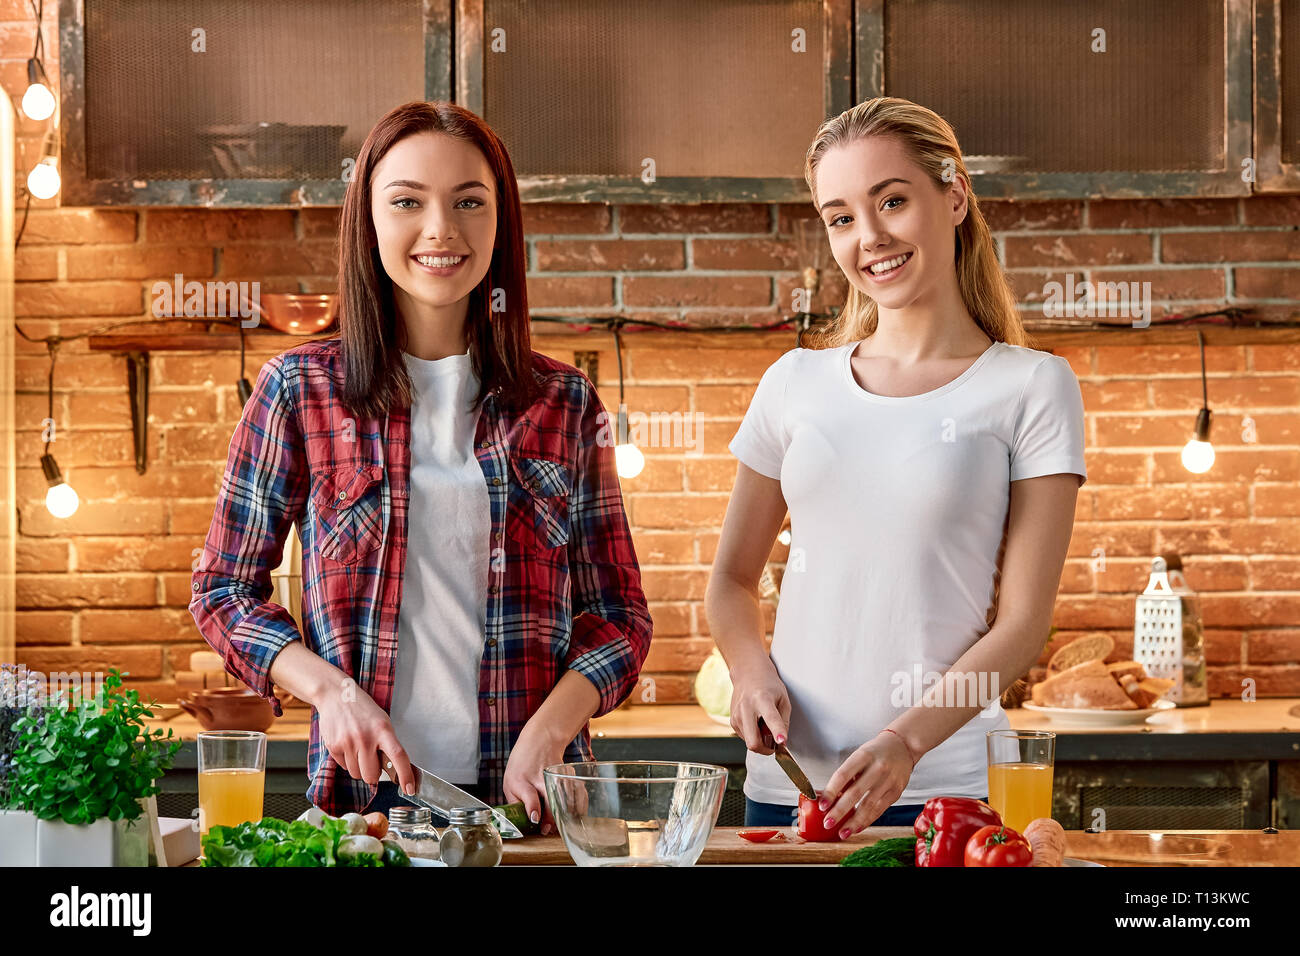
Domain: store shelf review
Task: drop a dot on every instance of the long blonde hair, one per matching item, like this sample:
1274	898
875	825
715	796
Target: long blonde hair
931	143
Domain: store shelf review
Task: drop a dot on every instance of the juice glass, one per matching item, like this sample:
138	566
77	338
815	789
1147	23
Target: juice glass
232	774
1021	764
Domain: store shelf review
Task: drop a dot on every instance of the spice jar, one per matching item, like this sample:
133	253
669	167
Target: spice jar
412	828
470	839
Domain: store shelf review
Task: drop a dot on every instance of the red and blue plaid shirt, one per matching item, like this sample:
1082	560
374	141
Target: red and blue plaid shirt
564	589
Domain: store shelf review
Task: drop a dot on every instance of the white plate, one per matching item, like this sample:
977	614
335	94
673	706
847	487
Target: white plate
1081	717
419	861
1071	861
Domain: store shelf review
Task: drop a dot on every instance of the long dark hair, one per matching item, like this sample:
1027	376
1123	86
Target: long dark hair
373	338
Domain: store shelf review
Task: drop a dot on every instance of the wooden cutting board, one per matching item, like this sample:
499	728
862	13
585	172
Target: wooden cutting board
724	847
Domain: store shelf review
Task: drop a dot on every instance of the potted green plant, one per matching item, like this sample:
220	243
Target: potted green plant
85	773
20	695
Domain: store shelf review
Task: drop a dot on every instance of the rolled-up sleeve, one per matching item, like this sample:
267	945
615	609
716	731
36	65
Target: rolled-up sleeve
262	494
610	637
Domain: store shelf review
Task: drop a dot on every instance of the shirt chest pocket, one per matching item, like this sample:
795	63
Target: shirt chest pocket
537	512
349	513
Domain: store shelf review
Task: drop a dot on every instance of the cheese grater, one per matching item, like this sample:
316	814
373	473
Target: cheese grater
1167	632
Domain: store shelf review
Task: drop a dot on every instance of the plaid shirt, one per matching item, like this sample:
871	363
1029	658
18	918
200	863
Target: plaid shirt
564	589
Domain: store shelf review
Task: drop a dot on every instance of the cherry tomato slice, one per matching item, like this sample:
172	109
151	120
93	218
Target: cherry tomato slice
755	835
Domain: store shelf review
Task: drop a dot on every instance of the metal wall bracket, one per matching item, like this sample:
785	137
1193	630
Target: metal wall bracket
137	386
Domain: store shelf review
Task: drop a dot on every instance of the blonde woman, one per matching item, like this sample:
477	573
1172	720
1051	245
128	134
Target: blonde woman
930	464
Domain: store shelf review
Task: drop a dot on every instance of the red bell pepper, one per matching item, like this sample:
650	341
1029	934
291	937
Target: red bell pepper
756	835
996	845
944	827
811	825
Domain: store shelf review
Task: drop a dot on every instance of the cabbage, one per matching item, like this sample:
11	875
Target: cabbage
713	686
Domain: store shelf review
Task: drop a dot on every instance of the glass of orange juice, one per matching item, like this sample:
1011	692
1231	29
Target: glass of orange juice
232	775
1021	764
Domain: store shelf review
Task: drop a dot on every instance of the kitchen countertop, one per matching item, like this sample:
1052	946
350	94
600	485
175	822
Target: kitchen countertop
1114	848
1229	729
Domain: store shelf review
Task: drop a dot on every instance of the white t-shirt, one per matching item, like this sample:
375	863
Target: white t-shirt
441	622
898	508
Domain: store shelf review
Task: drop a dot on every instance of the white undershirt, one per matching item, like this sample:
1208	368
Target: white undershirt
442	618
897	507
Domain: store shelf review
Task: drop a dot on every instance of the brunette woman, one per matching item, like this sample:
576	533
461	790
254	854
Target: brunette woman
471	596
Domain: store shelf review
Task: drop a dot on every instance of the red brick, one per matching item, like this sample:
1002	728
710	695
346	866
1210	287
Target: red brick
1118	431
1114	540
79	298
1160	213
1277	501
139	262
1229	246
43	627
704	218
1275	574
169	553
1271	211
761	254
319	223
1080	249
695	290
608	255
658	474
699	364
138	661
1012	216
32	556
1172	502
831	294
1114	395
662	688
35	263
310	257
92	517
1281	681
137	626
671	619
1156	361
1249	393
217	225
711	474
1261	283
84	590
72	225
678	654
1275	358
664	547
1177	284
552	218
568	292
192	518
675	511
1280	646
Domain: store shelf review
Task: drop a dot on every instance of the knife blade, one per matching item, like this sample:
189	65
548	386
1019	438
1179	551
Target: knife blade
786	761
437	794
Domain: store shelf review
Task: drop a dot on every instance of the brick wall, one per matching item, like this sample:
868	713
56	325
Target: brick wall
110	586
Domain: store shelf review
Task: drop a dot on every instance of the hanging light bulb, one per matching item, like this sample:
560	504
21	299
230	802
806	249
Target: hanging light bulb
1198	454
60	499
784	536
628	459
43	181
38	102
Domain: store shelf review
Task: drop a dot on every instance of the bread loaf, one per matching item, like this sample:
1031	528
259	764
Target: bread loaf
1087	685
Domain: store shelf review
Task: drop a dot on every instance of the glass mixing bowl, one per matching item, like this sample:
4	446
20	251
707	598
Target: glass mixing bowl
635	813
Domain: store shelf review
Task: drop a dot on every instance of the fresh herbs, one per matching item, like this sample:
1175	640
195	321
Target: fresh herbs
90	758
21	694
272	842
896	851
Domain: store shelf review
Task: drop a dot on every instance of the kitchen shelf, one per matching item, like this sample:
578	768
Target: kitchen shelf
545	339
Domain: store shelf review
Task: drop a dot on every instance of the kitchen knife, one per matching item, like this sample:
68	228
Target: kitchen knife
437	794
787	762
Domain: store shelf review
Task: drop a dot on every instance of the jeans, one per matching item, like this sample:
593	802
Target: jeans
389	797
778	815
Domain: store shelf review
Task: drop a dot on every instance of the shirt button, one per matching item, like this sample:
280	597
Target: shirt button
492	642
493	589
483	444
496	481
491	700
195	586
342	495
500	536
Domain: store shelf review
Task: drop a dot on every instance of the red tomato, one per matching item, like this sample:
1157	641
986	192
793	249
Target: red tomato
811	826
996	845
756	836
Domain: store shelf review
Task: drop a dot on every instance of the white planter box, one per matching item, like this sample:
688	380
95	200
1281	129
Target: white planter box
102	843
17	838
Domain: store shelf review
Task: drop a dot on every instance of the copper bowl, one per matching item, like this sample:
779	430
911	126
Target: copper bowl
296	313
228	708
